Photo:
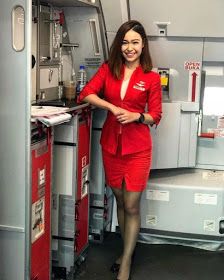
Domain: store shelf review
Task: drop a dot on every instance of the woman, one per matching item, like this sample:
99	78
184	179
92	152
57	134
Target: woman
129	87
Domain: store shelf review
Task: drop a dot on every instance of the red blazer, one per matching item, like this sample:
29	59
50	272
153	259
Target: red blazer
144	90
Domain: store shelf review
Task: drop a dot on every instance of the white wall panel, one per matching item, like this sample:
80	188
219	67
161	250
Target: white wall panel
185	18
213	50
115	13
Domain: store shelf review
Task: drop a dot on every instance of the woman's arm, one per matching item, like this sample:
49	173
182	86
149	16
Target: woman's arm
101	103
148	119
93	87
126	116
154	102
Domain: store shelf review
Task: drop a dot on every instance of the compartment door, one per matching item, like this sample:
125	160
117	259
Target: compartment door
15	94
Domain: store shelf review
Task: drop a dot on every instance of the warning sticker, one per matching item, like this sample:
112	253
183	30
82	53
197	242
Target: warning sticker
84	161
213	175
38	216
158	195
204	198
209	225
151	220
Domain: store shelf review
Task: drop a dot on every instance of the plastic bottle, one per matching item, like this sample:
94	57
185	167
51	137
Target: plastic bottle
81	79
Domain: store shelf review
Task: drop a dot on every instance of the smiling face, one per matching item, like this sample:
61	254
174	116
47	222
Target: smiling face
131	48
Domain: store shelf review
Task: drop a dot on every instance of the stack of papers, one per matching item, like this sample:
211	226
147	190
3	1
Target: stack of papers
220	122
50	115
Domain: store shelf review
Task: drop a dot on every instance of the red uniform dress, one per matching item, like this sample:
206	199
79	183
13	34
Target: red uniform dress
127	148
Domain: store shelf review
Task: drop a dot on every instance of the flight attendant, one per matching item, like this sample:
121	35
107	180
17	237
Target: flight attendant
132	97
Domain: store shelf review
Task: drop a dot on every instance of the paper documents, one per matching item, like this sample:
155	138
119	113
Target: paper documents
50	115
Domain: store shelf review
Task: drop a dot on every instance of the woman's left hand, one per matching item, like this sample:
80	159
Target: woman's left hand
126	116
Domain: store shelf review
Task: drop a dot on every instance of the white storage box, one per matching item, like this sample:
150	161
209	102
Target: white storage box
185	204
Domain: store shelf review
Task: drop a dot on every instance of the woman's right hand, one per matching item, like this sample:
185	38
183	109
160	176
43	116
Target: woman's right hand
116	111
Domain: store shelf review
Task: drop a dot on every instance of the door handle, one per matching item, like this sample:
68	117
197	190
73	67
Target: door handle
50	75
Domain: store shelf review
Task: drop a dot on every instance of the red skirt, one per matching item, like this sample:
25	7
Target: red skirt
134	169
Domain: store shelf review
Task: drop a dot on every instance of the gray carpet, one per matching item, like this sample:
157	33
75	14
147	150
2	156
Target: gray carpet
152	262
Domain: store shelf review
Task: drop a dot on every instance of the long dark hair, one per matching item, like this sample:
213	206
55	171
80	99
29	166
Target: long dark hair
116	59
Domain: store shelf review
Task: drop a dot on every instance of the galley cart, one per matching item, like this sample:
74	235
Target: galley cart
101	197
70	208
41	147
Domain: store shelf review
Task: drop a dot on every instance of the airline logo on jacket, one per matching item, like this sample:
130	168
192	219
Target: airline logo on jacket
140	86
